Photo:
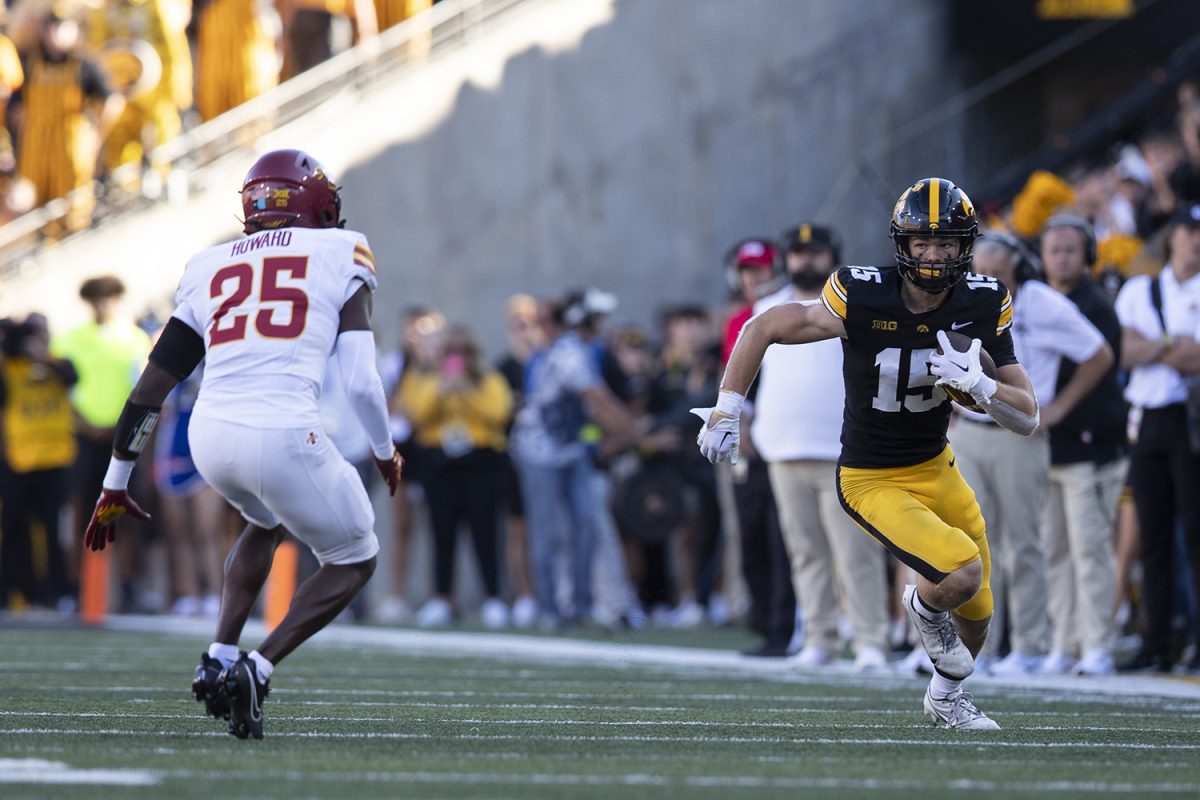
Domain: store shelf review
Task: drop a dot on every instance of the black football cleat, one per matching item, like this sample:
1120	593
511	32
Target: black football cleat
246	694
206	687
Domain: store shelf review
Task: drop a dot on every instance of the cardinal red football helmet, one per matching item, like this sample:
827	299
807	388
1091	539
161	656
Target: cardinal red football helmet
289	188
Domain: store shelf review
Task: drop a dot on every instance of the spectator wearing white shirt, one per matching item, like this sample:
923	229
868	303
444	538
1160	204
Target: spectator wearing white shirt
1159	347
798	416
1087	471
1010	474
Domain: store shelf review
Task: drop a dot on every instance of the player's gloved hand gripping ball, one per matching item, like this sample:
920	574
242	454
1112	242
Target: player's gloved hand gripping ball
964	370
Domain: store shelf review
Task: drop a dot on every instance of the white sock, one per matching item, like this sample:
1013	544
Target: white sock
925	611
226	654
263	667
941	687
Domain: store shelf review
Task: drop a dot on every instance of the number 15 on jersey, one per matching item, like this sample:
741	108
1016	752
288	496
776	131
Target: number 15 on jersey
909	369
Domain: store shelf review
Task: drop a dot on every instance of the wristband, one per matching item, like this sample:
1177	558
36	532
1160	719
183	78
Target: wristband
730	403
118	474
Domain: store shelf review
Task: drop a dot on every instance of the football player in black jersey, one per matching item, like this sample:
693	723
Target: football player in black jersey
896	475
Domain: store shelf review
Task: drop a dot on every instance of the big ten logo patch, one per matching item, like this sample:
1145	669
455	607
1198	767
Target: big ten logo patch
884	325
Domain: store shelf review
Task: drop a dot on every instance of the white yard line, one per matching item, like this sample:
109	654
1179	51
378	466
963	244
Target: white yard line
603	723
942	739
39	770
613	655
925	786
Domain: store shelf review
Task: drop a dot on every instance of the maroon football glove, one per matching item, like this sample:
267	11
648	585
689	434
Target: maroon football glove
390	469
112	505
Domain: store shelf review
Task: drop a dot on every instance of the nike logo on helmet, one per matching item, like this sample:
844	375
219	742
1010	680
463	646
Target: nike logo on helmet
957	326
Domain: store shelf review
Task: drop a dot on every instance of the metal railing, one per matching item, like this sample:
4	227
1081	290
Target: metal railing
447	26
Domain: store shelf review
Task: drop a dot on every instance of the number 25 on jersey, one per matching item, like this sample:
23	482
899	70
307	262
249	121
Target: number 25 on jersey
236	283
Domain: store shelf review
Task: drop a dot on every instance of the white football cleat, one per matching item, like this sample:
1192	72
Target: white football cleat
1017	665
524	612
494	614
1057	663
436	613
957	712
870	659
1095	662
392	610
811	657
947	651
915	663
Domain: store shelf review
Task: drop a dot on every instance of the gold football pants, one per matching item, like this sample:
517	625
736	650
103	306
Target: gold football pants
927	516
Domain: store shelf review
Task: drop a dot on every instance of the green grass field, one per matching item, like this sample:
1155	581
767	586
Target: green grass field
103	713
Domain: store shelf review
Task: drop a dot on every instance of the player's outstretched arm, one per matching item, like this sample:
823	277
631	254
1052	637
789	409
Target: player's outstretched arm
355	354
790	323
176	353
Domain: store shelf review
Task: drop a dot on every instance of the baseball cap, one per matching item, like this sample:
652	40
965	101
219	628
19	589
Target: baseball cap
1186	214
806	236
755	253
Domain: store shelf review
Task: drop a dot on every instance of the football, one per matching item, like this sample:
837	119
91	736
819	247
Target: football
962	342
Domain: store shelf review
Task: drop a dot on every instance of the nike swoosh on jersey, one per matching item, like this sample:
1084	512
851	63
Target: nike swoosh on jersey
957	326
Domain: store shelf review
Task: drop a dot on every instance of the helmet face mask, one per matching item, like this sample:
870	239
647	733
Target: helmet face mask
933	208
289	188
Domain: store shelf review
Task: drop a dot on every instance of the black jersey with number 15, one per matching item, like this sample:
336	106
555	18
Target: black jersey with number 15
895	416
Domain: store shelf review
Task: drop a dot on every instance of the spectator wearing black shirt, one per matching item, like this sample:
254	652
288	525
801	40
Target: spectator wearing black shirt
1087	471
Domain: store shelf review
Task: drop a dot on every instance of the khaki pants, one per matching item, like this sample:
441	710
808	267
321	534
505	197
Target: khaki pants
830	555
1077	532
1009	475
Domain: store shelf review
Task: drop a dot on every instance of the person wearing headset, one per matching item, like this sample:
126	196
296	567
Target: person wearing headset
1087	470
1009	474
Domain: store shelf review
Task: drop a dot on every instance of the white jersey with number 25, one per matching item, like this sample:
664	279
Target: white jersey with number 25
268	308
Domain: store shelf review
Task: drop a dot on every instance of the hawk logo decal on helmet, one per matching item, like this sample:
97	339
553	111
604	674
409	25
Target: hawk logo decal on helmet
934	207
289	188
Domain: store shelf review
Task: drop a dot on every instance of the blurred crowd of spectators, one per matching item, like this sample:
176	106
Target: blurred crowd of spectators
87	86
571	458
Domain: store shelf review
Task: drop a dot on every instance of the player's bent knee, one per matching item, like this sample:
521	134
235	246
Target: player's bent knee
964	583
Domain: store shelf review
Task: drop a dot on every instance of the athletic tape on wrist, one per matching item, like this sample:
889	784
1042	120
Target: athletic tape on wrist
118	474
730	403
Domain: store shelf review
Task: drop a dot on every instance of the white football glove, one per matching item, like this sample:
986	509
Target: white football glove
956	369
719	442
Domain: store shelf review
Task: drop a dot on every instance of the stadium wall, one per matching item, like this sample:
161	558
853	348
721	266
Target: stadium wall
617	143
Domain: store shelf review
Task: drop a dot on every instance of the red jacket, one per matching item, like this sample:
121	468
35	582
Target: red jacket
733	326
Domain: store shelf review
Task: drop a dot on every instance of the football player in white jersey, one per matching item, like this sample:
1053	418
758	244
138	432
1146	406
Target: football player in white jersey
267	312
